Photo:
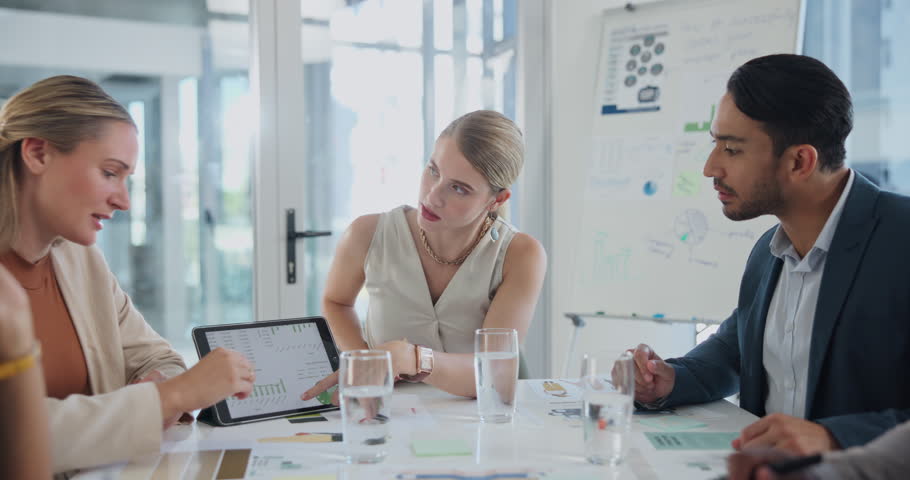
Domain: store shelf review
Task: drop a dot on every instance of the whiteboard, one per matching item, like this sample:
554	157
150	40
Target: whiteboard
652	238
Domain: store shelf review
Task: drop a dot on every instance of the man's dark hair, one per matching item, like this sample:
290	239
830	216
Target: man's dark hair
799	100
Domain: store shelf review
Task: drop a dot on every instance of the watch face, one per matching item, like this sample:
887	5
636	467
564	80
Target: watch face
426	359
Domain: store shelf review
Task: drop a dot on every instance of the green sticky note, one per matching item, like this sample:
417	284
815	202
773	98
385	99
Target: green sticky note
452	447
691	440
687	184
325	397
671	423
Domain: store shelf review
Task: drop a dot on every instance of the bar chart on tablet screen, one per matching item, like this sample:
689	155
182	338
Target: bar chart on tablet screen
288	360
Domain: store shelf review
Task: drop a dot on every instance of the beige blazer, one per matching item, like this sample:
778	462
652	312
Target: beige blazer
118	421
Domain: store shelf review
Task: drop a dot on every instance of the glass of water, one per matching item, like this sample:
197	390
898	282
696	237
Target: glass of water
365	382
496	373
608	380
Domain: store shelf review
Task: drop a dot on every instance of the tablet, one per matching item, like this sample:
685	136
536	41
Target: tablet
289	357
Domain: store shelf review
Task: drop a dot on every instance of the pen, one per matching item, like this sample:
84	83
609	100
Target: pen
305	438
336	437
788	466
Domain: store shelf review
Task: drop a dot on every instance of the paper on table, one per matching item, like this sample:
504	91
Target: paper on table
407	412
502	472
327	476
557	389
688	465
208	444
272	464
700	412
671	423
573	476
407	409
691	440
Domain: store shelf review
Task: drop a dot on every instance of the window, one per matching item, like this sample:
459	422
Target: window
862	41
184	250
381	79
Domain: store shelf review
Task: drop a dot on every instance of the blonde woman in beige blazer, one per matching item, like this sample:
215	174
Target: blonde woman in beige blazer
113	384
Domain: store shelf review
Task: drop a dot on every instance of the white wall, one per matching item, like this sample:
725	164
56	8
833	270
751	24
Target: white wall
574	41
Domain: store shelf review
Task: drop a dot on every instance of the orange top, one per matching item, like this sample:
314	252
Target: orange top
65	370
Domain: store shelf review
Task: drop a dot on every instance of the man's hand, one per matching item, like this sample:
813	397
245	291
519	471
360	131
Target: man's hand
751	464
654	378
791	434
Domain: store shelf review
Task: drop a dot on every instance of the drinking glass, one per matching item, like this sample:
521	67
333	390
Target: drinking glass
496	373
608	380
365	382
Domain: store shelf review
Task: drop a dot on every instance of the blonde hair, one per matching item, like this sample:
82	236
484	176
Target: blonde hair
492	144
63	110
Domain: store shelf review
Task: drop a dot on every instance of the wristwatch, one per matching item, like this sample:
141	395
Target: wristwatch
424	364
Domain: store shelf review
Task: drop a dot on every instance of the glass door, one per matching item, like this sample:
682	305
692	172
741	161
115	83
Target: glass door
381	80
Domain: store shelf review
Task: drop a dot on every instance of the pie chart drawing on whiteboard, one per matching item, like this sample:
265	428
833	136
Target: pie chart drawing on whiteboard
691	227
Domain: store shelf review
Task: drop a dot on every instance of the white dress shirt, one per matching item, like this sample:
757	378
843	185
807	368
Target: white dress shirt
788	329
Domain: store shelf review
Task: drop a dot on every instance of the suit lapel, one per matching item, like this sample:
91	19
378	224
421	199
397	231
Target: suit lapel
848	246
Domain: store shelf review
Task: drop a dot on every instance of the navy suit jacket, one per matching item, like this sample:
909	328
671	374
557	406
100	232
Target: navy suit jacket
858	385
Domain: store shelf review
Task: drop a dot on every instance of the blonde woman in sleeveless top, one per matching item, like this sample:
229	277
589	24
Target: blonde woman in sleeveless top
401	305
437	272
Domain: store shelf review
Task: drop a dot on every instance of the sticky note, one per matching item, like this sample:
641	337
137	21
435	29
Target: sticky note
691	440
441	447
671	423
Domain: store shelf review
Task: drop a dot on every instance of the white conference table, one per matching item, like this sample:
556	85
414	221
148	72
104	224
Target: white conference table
540	443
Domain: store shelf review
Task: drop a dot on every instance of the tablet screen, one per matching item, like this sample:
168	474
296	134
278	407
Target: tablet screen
289	357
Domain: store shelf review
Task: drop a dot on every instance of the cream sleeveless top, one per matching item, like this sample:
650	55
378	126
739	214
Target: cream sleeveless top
400	304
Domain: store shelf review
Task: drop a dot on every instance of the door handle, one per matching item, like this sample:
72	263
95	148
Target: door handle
292	236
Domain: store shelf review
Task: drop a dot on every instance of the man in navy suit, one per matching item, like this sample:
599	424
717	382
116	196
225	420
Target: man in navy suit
819	340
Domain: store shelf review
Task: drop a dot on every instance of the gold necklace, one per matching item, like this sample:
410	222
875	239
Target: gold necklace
458	261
